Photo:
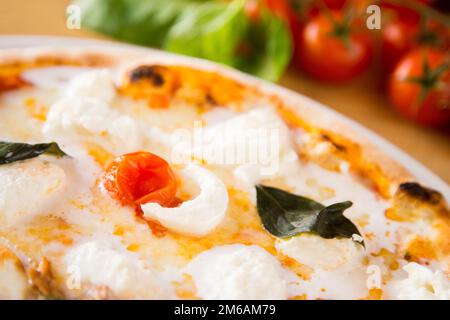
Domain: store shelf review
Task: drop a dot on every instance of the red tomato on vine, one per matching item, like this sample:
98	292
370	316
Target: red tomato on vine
334	47
419	87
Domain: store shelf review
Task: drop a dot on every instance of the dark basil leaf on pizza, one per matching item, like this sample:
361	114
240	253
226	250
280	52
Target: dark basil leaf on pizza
284	215
14	151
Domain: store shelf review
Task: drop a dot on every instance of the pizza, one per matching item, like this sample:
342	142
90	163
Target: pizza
135	174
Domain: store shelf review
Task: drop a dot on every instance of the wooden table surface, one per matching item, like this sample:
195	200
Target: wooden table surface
362	100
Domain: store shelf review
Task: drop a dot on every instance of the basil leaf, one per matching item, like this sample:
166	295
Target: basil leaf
214	30
12	151
331	223
137	21
269	46
284	214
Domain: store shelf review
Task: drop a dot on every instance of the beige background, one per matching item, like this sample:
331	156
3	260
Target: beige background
362	100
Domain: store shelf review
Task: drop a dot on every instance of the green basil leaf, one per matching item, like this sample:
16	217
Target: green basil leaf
284	214
137	21
331	223
12	151
214	30
269	47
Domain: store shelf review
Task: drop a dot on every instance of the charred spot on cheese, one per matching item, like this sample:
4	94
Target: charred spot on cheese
154	83
413	201
159	85
415	190
147	73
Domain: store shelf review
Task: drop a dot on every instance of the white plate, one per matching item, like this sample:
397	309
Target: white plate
422	173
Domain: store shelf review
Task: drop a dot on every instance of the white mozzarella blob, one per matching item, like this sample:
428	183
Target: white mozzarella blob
103	262
238	272
248	176
422	284
94	84
338	269
75	118
338	284
27	188
325	254
196	217
256	144
255	137
13	280
217	115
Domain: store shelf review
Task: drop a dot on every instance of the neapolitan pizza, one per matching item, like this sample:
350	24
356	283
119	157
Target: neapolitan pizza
136	175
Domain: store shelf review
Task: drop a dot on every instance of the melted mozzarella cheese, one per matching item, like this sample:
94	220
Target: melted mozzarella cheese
218	115
253	146
200	215
75	118
422	284
102	263
237	272
256	144
255	137
94	84
26	188
338	284
325	254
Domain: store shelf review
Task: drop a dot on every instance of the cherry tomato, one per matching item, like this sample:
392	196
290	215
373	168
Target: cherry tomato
140	177
332	51
397	38
420	87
